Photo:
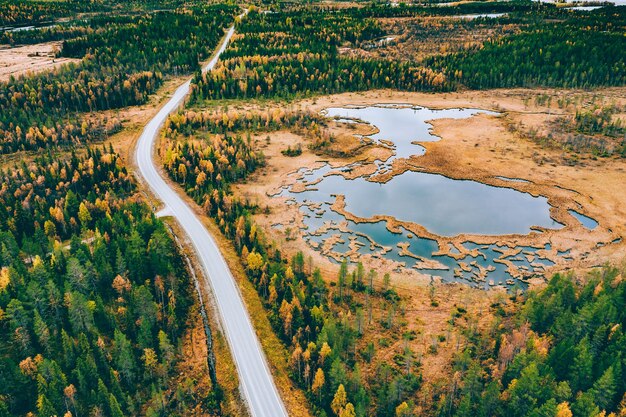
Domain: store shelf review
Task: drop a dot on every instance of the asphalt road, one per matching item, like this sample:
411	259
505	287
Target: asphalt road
256	382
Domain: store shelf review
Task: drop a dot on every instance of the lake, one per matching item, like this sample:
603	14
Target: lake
445	207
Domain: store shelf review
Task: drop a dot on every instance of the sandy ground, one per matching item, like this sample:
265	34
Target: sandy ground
29	59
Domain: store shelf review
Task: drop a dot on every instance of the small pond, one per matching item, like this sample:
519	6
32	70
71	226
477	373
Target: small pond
586	221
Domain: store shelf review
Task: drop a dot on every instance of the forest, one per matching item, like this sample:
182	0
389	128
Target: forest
123	61
47	34
477	7
286	55
580	52
301	52
93	294
39	12
562	354
20	12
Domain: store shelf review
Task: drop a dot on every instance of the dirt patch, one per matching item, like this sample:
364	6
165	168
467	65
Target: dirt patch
30	59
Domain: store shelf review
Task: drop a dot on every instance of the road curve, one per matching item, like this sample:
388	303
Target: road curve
255	378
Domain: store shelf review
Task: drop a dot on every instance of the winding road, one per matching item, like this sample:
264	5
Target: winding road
256	382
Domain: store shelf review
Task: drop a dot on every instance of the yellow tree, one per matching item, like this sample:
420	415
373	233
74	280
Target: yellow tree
348	411
403	410
286	316
325	350
254	261
150	360
339	401
5	278
182	172
563	410
318	382
296	359
83	214
201	179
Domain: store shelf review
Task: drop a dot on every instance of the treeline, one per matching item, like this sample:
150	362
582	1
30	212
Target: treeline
581	52
403	10
20	12
123	61
34	12
478	7
67	30
93	295
563	355
304	74
229	120
323	327
297	53
45	34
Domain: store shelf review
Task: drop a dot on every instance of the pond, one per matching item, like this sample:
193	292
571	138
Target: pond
586	221
585	8
591	2
444	206
400	124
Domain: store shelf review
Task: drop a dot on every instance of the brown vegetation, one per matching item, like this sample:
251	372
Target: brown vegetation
415	38
23	60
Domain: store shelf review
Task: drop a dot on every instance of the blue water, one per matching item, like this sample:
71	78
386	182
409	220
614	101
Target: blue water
588	222
444	206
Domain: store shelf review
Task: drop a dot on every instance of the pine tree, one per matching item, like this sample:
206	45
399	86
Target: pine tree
114	406
123	356
604	389
45	407
582	368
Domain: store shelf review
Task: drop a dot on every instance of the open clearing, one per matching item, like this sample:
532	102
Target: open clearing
30	59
